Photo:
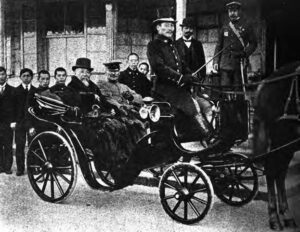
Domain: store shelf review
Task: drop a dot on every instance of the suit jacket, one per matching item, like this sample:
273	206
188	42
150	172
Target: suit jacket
24	100
228	59
136	81
193	56
7	105
166	63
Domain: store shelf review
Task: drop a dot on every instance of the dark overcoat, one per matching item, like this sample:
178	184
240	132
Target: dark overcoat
227	38
167	65
193	56
136	81
7	105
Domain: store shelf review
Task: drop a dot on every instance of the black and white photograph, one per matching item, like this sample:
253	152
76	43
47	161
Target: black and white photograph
149	115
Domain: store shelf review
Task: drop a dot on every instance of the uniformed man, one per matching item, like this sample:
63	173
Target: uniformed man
133	78
112	89
239	41
190	49
173	77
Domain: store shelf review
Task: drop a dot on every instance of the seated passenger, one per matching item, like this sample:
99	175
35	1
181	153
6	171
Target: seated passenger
44	81
115	90
113	133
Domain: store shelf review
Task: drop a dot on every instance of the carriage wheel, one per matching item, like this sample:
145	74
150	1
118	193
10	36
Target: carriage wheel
51	167
237	183
186	193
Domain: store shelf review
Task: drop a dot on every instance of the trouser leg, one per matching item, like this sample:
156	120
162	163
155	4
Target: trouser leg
7	149
20	146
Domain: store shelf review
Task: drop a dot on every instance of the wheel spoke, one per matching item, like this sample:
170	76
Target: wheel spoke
63	177
244	169
34	166
63	167
58	184
168	197
194	208
176	178
231	192
176	206
185	176
45	183
52	186
42	149
185	210
245	187
200	200
195	180
40	176
200	190
169	185
33	152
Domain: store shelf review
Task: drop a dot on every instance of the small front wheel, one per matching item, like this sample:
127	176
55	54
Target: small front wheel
186	193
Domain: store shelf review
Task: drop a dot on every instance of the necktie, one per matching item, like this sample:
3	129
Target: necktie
1	90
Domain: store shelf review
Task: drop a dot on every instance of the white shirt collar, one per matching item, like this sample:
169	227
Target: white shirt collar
24	86
3	86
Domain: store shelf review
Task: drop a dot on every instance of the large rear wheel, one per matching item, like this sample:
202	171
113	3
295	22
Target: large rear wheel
52	169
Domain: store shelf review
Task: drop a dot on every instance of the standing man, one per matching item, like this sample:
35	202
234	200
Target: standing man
190	49
44	81
173	77
133	78
239	41
60	75
7	107
24	98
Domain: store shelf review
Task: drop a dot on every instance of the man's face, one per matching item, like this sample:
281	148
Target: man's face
166	29
143	69
113	75
234	14
83	74
3	77
26	78
187	31
133	61
61	77
44	80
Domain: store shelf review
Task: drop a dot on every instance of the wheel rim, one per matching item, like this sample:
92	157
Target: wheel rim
51	166
104	172
186	193
237	184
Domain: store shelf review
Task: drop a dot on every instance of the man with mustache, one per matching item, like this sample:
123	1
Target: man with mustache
190	49
174	77
239	40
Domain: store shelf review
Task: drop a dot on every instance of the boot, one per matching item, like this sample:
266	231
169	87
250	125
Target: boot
204	127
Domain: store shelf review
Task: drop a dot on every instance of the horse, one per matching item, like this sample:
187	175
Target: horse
276	123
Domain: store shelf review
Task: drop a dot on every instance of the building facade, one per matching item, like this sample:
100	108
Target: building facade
46	34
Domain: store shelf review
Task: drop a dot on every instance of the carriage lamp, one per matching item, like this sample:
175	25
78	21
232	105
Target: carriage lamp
153	111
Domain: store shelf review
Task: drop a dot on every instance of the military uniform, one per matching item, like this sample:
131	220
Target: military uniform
136	81
229	60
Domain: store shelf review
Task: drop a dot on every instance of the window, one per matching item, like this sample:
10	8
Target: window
64	18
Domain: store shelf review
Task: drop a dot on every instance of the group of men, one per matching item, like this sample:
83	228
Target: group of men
173	63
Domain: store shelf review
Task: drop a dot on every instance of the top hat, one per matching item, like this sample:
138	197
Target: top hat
83	63
233	4
164	15
113	65
188	22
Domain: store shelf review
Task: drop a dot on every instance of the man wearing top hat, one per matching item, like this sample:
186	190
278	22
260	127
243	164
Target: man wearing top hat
173	76
112	89
190	49
239	40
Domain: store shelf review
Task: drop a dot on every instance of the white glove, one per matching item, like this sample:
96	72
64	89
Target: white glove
32	132
13	125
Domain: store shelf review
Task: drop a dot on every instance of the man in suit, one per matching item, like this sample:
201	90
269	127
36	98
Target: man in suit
24	98
7	110
239	40
173	77
60	75
133	78
190	49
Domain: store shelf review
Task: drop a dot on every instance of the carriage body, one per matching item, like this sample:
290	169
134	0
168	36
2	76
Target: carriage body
186	189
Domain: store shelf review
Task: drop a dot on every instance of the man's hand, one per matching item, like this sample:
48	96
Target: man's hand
216	67
13	125
127	95
32	131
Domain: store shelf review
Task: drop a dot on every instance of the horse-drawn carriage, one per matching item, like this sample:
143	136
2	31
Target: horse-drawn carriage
186	189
